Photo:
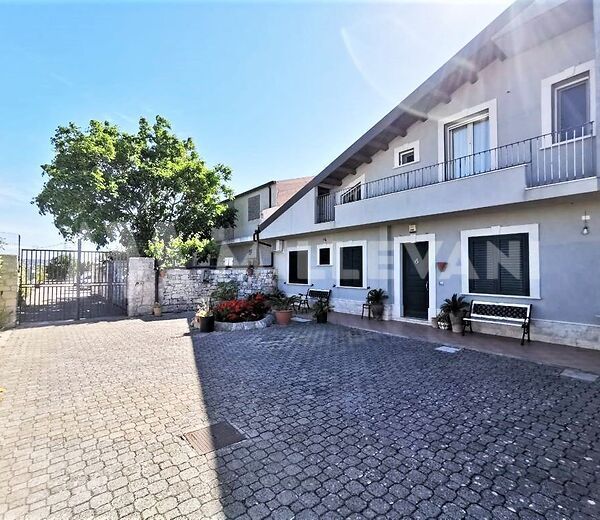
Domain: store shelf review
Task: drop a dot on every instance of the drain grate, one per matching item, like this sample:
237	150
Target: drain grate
578	374
448	349
213	437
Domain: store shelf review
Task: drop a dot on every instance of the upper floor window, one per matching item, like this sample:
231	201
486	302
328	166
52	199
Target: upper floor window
571	107
568	103
254	207
406	154
468	146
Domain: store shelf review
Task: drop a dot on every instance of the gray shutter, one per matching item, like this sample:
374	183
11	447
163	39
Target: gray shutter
254	207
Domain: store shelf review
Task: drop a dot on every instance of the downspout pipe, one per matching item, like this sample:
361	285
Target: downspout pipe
256	238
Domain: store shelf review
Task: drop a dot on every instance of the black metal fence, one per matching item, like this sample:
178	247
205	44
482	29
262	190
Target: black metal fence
64	285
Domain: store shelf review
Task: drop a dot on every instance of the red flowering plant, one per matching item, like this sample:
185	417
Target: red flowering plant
232	311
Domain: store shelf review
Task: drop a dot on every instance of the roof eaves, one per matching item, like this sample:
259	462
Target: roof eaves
411	103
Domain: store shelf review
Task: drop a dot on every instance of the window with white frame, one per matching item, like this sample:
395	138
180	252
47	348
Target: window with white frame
568	103
501	261
571	107
467	145
324	255
298	266
406	154
352	265
499	264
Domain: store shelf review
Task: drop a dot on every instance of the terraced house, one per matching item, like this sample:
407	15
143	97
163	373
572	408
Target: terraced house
482	182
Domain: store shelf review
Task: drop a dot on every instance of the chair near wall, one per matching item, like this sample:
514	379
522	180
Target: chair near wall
366	306
302	302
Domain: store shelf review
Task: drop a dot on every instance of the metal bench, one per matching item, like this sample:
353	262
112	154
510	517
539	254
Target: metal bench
512	314
304	301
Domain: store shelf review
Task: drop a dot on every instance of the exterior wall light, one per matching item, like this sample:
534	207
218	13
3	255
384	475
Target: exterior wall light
586	229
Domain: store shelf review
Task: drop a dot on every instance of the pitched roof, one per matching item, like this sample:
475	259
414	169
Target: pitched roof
462	67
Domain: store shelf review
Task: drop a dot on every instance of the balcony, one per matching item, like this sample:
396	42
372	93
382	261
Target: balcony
548	159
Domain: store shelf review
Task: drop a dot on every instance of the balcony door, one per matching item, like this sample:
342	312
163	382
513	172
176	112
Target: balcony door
468	146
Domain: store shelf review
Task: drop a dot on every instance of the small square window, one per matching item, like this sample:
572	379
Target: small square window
324	256
406	157
406	154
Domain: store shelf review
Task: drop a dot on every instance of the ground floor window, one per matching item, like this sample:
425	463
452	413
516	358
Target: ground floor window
298	266
324	255
499	264
351	266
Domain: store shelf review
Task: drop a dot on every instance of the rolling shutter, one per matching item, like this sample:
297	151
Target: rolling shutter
499	264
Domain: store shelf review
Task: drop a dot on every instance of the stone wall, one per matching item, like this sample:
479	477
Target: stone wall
8	290
183	289
140	286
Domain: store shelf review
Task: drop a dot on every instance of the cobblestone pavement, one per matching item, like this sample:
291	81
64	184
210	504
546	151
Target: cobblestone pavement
338	423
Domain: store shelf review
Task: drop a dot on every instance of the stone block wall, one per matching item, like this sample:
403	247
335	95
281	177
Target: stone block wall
183	289
8	291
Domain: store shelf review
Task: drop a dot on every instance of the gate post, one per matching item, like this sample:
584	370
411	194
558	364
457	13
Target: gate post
78	279
8	290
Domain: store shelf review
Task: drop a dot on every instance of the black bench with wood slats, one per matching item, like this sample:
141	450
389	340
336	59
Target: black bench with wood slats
512	314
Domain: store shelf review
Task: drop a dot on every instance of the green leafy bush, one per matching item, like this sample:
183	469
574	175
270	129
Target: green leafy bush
178	252
226	291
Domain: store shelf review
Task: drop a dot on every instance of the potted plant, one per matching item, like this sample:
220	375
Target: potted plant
204	318
376	297
442	321
156	310
455	308
282	306
320	309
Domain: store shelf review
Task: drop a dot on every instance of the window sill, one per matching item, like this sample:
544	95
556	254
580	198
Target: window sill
485	295
351	287
400	166
324	265
298	284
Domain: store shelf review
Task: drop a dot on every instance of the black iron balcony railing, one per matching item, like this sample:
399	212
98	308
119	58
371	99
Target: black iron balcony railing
560	156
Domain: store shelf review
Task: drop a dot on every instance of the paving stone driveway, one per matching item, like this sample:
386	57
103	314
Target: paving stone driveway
339	423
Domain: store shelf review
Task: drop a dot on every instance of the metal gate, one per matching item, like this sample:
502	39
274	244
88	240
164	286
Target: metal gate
70	285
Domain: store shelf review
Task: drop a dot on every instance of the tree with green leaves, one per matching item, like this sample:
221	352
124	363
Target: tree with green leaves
105	184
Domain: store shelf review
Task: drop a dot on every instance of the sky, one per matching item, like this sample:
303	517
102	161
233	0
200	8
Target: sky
274	90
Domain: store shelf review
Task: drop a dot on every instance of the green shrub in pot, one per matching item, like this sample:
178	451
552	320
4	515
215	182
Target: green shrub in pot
455	309
376	298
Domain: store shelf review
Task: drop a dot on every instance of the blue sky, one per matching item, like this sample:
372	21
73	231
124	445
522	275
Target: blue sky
274	90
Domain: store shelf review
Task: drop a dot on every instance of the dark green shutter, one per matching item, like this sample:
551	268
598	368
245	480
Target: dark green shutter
499	264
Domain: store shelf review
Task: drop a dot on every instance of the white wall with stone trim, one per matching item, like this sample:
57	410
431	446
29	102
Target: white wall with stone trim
8	290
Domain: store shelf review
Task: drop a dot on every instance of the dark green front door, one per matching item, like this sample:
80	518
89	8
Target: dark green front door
415	279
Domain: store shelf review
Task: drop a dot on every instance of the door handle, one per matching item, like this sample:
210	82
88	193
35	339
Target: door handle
427	285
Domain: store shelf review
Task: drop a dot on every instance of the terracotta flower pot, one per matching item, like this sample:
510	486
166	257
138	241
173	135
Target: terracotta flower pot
283	317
